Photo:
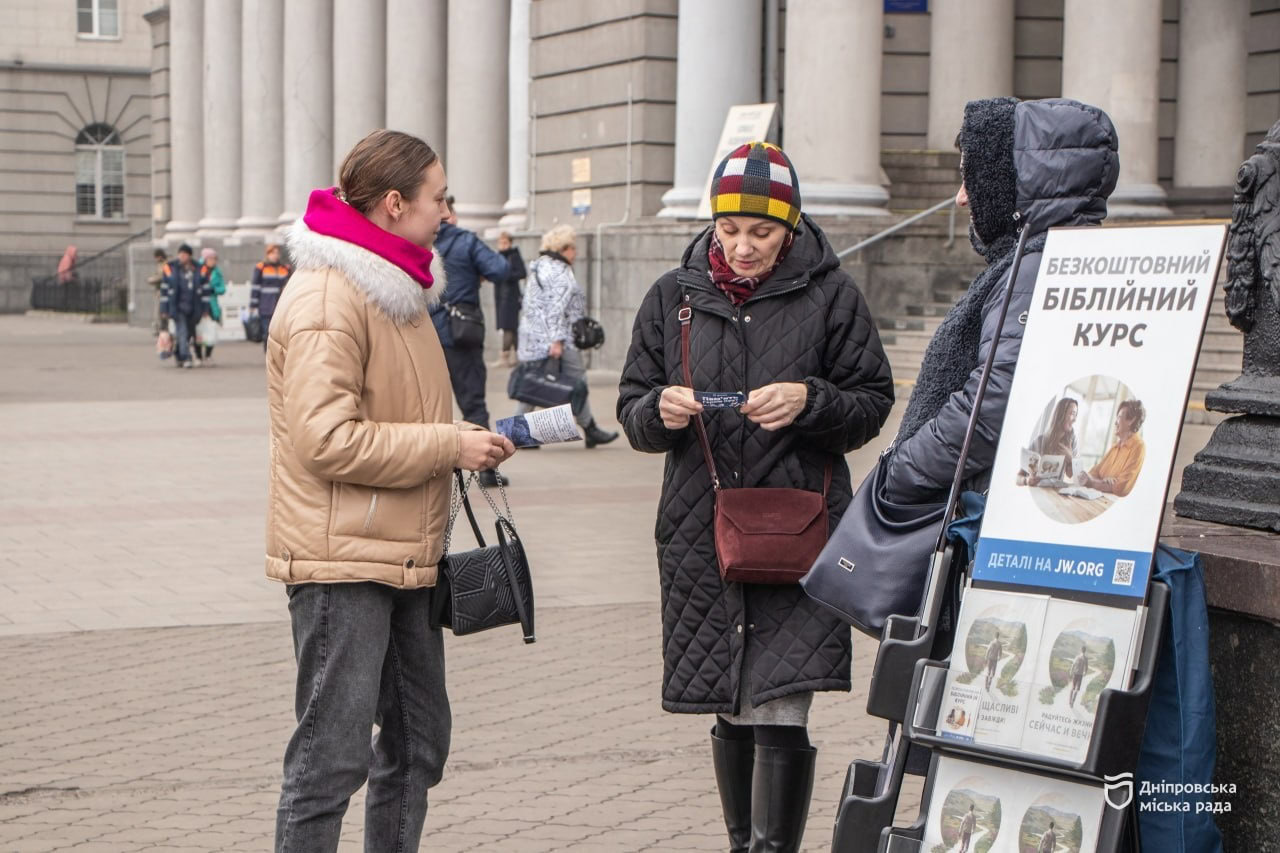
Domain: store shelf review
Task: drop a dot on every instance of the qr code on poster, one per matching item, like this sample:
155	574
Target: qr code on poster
1123	574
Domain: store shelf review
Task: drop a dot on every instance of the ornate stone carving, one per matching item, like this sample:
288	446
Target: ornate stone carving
1236	478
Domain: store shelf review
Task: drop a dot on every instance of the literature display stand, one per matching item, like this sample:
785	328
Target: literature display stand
1031	707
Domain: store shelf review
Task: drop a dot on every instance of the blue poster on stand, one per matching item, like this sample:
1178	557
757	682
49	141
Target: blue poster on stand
1082	470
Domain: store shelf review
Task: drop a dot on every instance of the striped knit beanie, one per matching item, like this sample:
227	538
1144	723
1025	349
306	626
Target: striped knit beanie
756	179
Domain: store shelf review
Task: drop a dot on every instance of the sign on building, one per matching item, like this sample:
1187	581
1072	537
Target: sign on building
744	123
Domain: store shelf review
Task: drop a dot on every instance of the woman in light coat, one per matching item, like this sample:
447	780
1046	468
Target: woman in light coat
362	448
553	301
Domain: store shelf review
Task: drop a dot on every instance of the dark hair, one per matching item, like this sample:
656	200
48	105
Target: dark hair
383	161
1137	413
185	248
159	255
1058	426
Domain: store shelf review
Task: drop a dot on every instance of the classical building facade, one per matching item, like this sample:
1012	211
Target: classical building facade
211	120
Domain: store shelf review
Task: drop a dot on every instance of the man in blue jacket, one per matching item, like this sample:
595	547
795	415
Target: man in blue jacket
184	297
466	260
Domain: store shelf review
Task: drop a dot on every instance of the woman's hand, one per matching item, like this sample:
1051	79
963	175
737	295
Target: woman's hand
479	449
676	405
775	406
557	349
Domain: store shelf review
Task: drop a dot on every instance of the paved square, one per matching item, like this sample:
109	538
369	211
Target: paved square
148	663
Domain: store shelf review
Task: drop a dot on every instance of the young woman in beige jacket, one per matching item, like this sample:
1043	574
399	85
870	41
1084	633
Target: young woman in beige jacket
363	444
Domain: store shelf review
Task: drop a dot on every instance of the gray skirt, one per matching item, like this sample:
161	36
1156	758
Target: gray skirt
790	710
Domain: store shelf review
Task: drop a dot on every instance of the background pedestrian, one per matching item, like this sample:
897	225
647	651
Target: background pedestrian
270	276
217	287
553	301
506	298
466	260
186	299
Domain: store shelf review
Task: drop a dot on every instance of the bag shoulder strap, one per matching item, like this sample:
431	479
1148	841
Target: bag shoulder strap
686	322
506	532
459	500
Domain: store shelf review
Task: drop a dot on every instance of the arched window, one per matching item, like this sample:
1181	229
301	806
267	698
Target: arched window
100	172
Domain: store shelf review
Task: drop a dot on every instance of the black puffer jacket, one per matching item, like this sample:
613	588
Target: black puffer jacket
1055	162
808	322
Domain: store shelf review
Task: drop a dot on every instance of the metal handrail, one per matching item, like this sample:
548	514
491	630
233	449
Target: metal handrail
910	220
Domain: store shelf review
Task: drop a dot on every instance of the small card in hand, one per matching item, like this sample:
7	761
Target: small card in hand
720	399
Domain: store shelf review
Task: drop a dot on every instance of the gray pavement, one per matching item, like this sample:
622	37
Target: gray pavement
148	663
149	669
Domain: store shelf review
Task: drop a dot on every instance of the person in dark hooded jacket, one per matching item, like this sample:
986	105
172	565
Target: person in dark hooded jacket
772	315
1023	164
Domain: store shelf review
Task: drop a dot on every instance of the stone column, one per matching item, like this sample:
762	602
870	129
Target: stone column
708	82
161	151
834	142
416	70
516	210
186	117
359	73
1209	140
1111	59
476	110
222	118
959	32
262	136
308	102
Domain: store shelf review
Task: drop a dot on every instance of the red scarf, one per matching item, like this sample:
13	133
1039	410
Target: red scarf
739	288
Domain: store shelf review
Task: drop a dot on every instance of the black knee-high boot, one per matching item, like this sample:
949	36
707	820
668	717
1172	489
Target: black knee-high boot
733	759
781	785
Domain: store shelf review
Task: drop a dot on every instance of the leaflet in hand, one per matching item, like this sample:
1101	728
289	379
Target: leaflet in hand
977	807
545	426
989	684
720	399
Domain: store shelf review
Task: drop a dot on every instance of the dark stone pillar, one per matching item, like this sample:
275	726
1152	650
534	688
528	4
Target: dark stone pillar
1242	585
1236	478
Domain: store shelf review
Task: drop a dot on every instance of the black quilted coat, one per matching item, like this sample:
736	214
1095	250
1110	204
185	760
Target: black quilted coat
808	322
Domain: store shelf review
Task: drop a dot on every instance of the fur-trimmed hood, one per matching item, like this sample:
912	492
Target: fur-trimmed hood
386	287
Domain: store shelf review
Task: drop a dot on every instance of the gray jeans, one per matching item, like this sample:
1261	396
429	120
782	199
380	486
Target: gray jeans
571	367
365	656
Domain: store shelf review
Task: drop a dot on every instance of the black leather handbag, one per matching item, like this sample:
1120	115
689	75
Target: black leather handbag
486	587
543	384
466	325
587	333
874	563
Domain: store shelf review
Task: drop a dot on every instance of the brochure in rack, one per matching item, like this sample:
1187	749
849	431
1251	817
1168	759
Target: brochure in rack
989	683
978	807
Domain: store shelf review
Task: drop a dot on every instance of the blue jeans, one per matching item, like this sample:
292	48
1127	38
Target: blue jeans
365	656
184	329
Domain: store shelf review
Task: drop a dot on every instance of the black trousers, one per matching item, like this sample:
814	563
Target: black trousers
467	374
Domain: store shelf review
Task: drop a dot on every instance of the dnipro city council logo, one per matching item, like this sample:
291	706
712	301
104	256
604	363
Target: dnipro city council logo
1123	783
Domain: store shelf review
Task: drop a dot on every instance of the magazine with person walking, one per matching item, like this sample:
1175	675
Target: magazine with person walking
1084	649
997	638
981	808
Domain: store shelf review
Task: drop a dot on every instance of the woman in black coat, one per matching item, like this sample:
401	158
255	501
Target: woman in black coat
506	297
774	316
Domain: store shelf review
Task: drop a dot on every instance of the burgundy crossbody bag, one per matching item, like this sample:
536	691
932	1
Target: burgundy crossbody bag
768	536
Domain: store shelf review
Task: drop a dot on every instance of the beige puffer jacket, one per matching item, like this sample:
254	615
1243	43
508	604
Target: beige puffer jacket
362	435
